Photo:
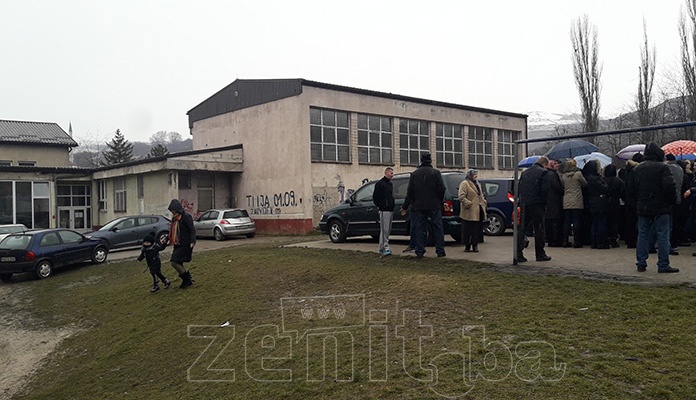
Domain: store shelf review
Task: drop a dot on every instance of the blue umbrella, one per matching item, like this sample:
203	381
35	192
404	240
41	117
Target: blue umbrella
570	149
527	161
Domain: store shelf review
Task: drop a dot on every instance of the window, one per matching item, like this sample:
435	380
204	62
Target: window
184	180
449	145
480	147
26	163
42	216
365	193
414	139
102	195
70	237
50	239
141	187
329	135
374	139
506	147
205	191
5	163
120	194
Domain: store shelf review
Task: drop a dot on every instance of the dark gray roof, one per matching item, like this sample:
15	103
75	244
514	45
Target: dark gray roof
243	93
27	132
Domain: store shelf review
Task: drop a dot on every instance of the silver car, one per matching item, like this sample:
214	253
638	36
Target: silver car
11	228
224	223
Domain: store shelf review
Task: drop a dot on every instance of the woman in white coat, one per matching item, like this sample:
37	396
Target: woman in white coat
472	211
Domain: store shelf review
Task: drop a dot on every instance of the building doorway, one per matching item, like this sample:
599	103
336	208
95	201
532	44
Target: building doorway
74	218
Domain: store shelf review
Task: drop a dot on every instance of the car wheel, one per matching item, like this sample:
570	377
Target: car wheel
218	234
5	277
43	270
337	232
496	224
163	237
250	235
99	255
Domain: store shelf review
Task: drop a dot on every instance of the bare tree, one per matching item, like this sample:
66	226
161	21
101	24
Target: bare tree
687	33
646	75
160	138
89	153
587	70
174	137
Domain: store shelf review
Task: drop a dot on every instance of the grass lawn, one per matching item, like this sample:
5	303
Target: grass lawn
328	324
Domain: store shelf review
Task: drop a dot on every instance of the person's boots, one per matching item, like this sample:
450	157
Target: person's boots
167	283
186	280
155	288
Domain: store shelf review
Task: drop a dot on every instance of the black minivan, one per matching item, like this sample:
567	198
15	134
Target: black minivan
359	216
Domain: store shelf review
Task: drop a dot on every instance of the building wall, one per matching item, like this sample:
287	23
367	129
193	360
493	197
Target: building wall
282	188
275	186
44	156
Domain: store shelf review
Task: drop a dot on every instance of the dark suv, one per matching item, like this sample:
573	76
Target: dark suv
501	201
359	216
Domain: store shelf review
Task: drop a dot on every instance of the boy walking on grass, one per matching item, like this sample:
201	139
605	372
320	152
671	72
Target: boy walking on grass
150	252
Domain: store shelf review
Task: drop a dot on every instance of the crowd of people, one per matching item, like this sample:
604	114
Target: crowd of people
647	205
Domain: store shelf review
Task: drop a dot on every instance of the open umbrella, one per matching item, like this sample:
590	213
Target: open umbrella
680	148
570	149
629	151
603	159
527	161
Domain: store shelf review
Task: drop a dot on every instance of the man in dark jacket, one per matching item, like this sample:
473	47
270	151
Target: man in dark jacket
425	195
182	235
653	187
533	195
383	197
554	207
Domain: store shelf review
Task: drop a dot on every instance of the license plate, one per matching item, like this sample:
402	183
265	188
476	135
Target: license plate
7	259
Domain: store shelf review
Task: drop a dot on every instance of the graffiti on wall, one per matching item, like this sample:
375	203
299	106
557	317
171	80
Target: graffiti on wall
325	197
264	204
189	207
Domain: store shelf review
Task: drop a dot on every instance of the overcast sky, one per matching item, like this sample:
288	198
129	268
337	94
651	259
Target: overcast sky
140	65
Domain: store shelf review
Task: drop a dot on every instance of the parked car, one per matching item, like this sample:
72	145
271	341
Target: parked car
41	251
11	228
224	223
501	201
358	215
130	231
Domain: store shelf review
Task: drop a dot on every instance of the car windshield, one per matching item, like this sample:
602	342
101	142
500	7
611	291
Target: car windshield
235	214
16	242
11	229
111	224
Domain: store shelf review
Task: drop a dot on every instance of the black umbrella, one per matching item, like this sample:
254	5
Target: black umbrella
570	149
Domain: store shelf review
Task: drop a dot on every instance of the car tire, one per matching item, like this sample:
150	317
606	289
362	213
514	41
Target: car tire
163	238
337	231
496	224
5	277
100	254
219	236
250	235
43	269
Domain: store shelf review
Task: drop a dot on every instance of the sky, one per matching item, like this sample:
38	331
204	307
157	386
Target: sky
141	65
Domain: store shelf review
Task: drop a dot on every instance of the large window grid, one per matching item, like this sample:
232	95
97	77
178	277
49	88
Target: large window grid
414	139
374	139
120	194
449	145
480	147
329	135
506	143
73	195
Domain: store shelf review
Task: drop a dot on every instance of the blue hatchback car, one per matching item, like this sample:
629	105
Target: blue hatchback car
41	251
500	196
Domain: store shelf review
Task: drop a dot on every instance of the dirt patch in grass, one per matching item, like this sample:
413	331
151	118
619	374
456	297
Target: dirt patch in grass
23	344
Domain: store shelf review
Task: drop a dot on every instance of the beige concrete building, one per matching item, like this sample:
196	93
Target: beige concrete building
308	145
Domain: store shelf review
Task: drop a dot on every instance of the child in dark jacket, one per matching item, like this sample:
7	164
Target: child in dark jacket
150	252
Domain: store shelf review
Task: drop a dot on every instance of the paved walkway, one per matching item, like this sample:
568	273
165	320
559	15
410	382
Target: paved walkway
611	264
